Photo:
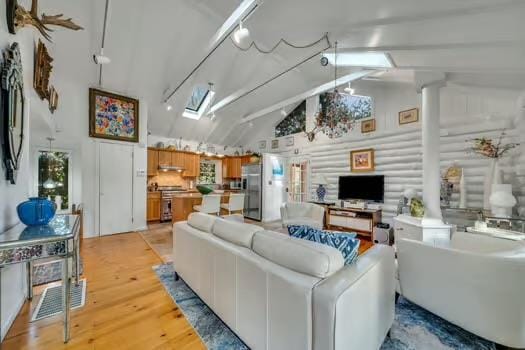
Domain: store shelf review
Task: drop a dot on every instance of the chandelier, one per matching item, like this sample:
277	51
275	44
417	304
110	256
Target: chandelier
333	116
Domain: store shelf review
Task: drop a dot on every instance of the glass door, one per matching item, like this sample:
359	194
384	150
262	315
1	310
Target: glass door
297	190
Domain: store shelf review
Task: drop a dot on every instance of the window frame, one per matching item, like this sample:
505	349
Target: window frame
36	155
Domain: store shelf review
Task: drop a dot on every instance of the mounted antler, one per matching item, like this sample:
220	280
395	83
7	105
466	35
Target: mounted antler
23	18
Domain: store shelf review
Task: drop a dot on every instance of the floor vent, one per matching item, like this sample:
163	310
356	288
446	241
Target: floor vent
50	303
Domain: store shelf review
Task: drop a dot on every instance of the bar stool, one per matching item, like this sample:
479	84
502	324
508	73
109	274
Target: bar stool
236	203
211	204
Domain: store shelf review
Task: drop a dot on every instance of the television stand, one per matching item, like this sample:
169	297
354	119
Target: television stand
360	221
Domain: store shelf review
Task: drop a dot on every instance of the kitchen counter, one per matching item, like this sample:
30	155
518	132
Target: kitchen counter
182	203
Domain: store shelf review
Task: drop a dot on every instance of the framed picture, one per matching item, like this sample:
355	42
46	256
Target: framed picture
409	116
262	144
113	116
289	141
362	160
275	144
368	126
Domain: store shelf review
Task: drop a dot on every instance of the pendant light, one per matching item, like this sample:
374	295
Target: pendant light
49	184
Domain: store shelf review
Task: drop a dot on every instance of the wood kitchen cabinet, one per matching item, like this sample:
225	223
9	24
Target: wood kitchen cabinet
164	158
153	206
153	162
191	165
177	159
231	167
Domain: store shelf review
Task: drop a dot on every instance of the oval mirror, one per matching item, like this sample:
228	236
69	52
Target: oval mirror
13	102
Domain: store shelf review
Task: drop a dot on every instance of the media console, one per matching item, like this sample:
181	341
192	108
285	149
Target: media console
361	221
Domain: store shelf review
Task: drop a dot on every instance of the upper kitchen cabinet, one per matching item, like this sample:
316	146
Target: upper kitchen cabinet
191	165
164	158
231	167
153	162
178	159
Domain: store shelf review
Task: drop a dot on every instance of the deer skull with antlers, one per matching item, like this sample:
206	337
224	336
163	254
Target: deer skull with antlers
19	17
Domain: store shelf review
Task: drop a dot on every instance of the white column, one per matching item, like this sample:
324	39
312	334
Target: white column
431	144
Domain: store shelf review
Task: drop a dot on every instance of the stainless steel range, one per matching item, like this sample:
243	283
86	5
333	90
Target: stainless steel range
166	192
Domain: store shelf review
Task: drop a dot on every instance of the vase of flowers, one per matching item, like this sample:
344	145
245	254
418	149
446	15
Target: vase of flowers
494	150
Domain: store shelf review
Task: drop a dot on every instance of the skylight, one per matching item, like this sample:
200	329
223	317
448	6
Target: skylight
198	102
197	98
361	59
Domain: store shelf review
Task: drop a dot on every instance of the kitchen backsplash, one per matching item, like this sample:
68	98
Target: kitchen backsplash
169	179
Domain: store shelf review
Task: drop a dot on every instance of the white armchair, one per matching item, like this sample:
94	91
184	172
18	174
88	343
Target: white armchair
477	283
297	213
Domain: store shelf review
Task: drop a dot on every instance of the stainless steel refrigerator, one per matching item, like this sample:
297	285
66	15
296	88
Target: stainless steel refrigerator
252	189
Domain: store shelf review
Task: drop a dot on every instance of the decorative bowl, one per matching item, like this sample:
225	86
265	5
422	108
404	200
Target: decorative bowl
36	211
204	189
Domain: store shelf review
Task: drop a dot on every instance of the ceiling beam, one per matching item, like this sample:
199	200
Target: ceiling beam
434	15
443	46
315	91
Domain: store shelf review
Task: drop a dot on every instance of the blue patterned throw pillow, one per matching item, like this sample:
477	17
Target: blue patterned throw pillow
346	243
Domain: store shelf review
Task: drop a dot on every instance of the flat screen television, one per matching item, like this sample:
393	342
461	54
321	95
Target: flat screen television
362	187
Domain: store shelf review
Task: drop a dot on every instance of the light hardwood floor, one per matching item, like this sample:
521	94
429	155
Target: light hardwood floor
126	307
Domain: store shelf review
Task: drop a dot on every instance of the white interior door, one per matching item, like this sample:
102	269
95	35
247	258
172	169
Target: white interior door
116	188
275	185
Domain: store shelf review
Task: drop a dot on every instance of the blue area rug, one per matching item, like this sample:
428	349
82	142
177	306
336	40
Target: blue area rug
414	328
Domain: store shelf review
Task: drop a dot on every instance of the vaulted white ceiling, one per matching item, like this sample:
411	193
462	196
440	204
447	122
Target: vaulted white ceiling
155	44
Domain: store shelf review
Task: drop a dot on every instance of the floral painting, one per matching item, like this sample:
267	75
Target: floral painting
113	116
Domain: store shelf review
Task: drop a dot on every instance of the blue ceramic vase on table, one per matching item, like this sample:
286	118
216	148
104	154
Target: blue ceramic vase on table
36	211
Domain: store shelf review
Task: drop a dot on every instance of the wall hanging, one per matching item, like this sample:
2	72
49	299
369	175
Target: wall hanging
362	160
12	102
368	126
113	116
409	116
42	74
18	17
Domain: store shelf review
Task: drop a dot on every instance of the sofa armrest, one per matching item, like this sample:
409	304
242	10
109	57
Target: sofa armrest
317	213
354	308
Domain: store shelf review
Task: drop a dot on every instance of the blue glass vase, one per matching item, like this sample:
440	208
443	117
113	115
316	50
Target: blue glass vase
36	211
321	192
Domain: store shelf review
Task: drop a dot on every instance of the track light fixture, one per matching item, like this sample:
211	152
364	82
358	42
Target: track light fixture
241	35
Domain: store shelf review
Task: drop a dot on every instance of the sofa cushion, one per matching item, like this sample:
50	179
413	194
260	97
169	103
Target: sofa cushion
346	243
235	232
300	255
201	221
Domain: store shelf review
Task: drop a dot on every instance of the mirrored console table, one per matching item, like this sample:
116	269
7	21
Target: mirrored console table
60	239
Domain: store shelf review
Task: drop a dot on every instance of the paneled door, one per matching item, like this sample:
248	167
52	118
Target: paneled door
115	188
297	183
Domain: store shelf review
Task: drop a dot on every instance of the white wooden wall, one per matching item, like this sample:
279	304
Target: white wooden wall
398	157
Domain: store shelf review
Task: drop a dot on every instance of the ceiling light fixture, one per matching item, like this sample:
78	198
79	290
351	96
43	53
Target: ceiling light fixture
49	184
349	89
241	35
283	112
168	107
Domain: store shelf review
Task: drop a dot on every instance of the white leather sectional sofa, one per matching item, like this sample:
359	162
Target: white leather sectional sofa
278	292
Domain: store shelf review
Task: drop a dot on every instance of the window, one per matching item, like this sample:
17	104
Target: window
197	98
360	107
198	103
207	174
293	123
54	166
